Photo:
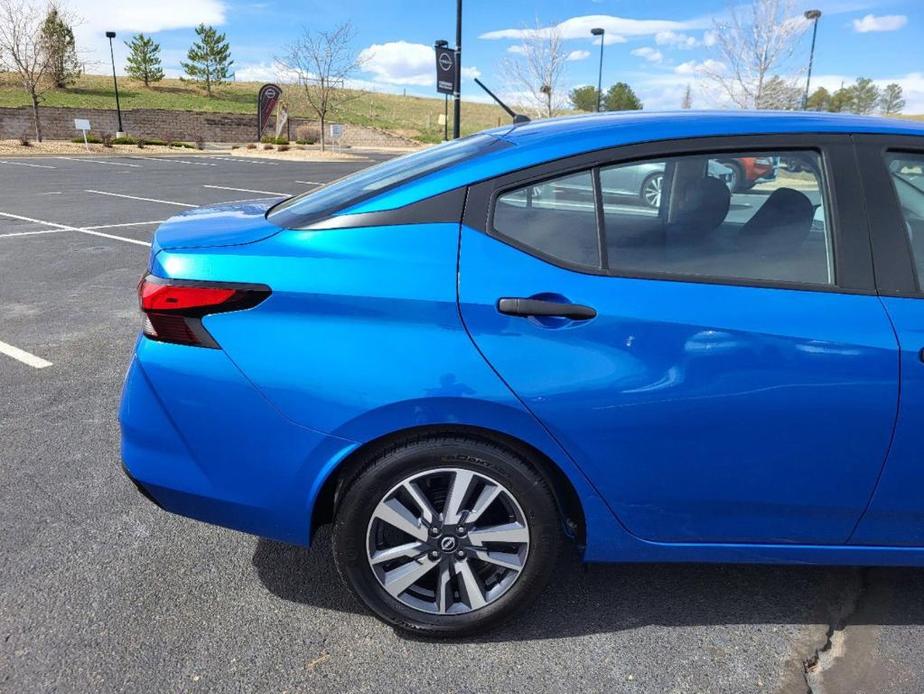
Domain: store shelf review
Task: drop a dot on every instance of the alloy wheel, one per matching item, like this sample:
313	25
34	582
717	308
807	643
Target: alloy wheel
447	541
652	190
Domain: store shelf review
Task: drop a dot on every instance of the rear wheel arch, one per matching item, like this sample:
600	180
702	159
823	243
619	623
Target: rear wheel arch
343	475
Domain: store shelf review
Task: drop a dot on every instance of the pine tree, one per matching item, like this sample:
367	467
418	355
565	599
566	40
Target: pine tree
819	100
57	40
621	97
143	62
209	58
865	96
687	102
892	100
584	98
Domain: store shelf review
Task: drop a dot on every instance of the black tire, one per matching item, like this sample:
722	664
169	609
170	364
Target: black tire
357	504
737	184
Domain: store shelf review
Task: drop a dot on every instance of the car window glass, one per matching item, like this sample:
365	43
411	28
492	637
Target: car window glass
726	216
556	218
907	173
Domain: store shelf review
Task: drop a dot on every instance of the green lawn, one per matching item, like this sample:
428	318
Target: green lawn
410	116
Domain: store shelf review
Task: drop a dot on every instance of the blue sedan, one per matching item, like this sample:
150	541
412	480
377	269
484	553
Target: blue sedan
470	357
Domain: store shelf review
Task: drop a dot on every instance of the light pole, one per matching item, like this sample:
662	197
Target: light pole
812	16
598	31
111	35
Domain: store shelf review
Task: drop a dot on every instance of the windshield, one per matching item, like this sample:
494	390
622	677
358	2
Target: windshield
301	210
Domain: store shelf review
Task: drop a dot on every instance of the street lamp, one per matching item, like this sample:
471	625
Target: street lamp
598	31
812	16
111	35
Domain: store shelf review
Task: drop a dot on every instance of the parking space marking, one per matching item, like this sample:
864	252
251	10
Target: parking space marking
22	163
23	356
67	227
172	160
135	197
246	190
100	161
124	224
242	160
32	233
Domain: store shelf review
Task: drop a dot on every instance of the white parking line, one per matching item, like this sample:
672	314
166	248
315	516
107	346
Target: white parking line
173	161
135	197
23	356
32	233
124	224
22	163
242	160
246	190
67	227
100	161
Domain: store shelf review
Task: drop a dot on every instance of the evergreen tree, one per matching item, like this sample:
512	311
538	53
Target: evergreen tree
57	41
865	96
209	58
687	102
842	100
892	100
819	100
143	62
584	98
620	97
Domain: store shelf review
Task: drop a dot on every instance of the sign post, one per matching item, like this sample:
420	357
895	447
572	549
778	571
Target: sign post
266	102
83	125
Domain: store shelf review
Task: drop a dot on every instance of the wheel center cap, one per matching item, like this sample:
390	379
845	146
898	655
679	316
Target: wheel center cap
448	543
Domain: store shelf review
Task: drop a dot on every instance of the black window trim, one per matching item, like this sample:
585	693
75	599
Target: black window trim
893	256
844	212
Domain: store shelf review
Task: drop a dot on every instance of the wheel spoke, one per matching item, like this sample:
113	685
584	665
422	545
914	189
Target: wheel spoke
443	595
474	595
461	482
411	550
426	508
509	532
488	494
399	580
396	514
506	559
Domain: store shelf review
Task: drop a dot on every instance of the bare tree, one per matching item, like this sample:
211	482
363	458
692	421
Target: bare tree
535	69
322	62
755	42
22	51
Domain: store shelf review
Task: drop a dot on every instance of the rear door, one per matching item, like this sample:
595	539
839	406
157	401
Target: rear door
893	170
719	365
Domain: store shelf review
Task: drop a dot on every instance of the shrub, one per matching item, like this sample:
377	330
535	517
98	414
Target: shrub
200	142
91	138
309	141
107	139
24	140
250	145
141	143
267	139
125	140
235	146
283	148
184	145
306	135
269	147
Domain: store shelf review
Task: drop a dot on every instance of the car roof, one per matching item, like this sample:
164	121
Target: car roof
546	140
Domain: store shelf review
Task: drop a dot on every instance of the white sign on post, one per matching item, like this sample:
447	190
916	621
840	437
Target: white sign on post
83	125
336	132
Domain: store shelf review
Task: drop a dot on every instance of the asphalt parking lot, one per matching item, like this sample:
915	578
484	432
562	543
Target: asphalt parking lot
101	591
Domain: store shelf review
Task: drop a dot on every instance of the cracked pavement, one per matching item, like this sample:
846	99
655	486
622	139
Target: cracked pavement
101	591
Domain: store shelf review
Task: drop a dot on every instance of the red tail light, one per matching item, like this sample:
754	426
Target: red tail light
173	309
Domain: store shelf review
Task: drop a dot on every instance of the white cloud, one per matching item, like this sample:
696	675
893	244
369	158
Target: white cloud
888	22
264	72
692	67
517	48
648	53
616	28
404	63
710	38
578	55
673	38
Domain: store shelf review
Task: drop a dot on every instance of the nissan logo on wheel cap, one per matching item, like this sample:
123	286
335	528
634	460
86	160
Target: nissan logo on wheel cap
448	543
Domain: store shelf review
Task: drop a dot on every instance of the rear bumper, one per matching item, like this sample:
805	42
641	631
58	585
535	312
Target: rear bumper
200	441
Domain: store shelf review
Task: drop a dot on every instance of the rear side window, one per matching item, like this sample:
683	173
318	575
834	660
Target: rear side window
748	216
302	210
907	174
557	218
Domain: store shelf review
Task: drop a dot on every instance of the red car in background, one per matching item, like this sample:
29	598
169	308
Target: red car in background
747	171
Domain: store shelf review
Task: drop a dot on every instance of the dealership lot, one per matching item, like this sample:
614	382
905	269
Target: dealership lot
99	590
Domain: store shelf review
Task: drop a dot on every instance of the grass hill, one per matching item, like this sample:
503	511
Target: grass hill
411	116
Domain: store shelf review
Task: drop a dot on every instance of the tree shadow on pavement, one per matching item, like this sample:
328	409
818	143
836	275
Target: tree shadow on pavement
582	600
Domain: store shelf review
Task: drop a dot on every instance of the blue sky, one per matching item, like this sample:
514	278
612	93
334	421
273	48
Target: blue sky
658	46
